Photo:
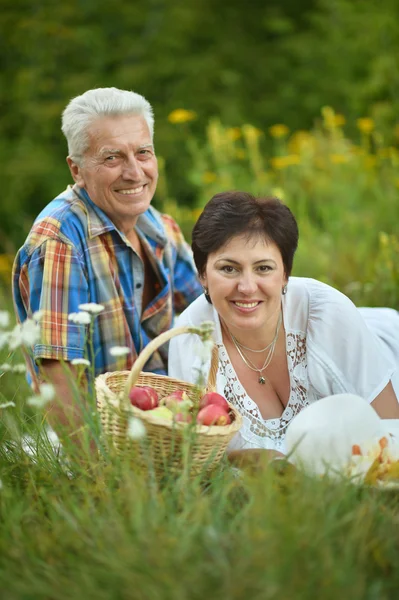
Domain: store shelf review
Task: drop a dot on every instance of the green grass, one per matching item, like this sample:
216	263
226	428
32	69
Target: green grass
115	533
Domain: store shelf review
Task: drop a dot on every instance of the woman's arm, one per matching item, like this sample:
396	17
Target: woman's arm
386	403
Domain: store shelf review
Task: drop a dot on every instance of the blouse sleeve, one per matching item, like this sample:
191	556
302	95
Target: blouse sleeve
343	354
187	358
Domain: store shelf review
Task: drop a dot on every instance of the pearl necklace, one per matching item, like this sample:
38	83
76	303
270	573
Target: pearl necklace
270	354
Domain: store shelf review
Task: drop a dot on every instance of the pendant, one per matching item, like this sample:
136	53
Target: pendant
262	380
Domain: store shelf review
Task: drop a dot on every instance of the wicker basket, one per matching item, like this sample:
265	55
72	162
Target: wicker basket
167	445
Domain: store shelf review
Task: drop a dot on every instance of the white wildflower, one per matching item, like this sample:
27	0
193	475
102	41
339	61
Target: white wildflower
91	307
80	318
19	368
38	315
204	350
36	401
7	404
136	429
81	361
4	337
47	391
4	318
24	334
119	350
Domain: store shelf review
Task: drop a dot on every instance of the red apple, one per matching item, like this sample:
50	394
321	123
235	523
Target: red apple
152	392
142	398
212	414
214	398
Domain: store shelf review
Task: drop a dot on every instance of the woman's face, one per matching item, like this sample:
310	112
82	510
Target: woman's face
245	280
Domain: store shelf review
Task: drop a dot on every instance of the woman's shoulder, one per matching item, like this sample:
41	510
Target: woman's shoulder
314	295
313	289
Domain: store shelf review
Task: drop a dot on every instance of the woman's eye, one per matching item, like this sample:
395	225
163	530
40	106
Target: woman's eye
264	268
228	269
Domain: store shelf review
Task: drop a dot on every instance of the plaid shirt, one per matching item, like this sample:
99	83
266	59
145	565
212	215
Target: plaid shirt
74	254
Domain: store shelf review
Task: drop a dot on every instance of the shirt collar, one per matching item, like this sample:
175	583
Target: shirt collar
98	222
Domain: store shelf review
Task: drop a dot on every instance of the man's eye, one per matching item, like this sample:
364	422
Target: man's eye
110	158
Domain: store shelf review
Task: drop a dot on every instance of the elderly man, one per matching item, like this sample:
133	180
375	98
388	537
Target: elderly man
100	241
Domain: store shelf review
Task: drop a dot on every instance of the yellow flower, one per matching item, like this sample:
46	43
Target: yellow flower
279	130
302	142
181	115
366	125
209	177
339	159
339	120
281	162
331	119
233	133
251	133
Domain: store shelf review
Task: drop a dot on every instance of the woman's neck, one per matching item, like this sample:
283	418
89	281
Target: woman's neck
255	339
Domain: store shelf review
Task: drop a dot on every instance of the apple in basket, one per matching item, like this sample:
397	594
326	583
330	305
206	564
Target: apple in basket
144	397
213	414
214	398
183	417
177	401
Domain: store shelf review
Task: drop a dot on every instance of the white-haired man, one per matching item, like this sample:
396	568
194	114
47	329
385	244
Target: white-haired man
100	241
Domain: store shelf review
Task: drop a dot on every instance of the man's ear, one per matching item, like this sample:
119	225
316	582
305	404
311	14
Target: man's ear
76	172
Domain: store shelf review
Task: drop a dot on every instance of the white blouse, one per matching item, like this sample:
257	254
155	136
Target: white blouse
330	350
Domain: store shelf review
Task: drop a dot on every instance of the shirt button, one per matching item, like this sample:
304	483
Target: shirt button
138	286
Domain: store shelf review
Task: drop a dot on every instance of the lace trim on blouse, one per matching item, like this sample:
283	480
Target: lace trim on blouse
255	429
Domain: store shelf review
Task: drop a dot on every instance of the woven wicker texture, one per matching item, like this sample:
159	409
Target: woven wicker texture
168	445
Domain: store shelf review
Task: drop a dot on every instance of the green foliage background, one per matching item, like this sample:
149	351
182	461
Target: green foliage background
263	62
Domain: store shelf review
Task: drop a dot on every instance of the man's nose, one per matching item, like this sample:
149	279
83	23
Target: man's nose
247	283
132	169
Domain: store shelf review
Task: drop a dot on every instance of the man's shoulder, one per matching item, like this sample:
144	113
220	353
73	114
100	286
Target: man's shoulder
64	215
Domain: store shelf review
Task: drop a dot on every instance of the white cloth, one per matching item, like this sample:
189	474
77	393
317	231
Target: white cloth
330	350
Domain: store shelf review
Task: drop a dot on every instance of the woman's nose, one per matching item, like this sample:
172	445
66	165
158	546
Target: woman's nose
247	284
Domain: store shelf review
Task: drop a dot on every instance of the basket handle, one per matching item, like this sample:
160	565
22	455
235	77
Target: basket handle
204	331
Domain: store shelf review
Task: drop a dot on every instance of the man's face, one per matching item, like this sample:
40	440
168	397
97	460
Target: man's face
119	170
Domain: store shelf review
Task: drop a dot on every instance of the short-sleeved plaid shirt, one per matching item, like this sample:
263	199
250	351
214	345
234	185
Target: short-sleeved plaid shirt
73	255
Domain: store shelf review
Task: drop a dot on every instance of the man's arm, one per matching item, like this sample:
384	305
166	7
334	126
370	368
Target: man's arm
65	414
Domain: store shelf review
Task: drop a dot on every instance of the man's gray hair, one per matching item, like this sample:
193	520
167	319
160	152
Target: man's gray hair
101	102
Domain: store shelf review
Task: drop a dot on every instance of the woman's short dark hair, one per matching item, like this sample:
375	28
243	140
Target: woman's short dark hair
231	214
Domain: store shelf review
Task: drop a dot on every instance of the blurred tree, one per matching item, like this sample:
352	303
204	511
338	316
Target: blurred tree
262	62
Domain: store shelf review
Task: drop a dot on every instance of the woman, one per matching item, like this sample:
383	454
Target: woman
283	342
